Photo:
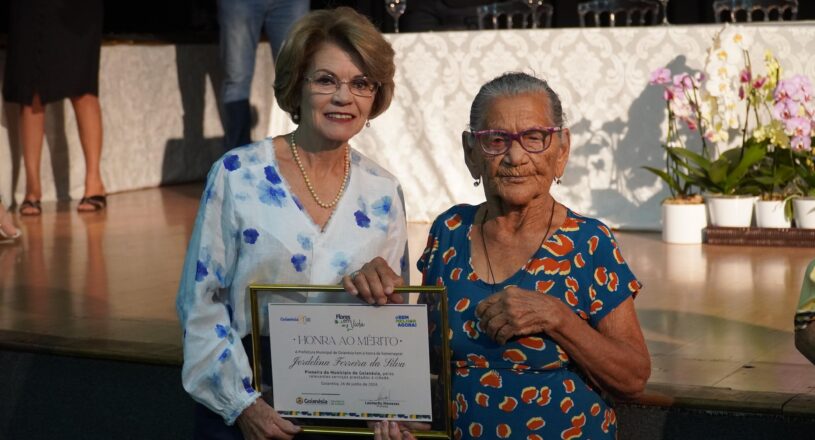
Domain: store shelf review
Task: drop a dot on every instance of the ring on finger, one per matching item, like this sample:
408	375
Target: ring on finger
354	274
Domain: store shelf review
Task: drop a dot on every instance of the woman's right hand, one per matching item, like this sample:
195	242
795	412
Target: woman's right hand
261	421
374	283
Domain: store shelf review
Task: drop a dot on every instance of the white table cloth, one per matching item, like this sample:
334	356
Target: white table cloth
617	120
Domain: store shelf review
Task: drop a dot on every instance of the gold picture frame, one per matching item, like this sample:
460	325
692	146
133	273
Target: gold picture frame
444	374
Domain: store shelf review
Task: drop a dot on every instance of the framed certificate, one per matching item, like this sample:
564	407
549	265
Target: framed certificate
337	365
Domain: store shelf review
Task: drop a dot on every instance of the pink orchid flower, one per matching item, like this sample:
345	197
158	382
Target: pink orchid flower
745	76
661	75
801	143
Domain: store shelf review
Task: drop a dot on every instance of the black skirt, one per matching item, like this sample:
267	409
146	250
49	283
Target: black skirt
53	50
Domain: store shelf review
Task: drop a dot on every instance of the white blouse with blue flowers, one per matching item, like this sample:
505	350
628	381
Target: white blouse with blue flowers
251	228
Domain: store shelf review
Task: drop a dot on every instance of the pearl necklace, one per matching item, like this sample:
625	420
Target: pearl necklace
308	182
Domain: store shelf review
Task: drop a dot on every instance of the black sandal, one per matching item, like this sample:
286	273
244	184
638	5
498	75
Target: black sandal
97	202
31	204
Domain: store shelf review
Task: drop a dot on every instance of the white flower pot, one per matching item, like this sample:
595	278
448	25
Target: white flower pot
730	211
770	214
683	224
804	210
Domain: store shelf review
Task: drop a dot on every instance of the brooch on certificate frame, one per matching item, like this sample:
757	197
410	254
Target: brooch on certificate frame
336	366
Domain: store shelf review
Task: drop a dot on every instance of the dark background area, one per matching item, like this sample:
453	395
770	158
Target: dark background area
196	20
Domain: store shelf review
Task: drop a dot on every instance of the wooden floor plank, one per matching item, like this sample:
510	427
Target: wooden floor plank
717	319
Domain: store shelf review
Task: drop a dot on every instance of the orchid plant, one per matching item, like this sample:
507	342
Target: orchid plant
770	121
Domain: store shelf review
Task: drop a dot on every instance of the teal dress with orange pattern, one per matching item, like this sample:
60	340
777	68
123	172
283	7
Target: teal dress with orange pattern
527	388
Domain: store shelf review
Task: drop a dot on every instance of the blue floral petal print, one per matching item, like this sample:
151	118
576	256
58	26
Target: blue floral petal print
208	194
248	177
229	312
219	272
340	261
224	355
250	235
247	385
305	241
272	176
299	262
382	206
362	220
271	195
232	162
221	330
216	380
201	271
297	202
252	158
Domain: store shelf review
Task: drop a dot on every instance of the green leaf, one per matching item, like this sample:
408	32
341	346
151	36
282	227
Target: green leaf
667	178
698	159
753	154
718	172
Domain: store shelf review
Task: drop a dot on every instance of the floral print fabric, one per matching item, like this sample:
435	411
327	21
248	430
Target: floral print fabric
251	228
527	388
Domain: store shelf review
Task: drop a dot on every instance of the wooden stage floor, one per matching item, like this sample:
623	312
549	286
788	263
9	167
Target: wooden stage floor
718	319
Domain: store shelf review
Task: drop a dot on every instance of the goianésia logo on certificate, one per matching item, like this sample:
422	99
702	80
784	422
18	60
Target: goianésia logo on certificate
302	319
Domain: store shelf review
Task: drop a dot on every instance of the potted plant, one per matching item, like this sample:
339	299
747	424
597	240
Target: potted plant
774	177
751	125
683	213
804	184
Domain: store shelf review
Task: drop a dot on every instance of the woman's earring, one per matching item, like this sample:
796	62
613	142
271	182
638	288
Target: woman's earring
368	124
477	181
295	117
557	180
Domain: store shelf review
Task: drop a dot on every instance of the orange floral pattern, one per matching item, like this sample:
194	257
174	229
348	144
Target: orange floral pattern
526	388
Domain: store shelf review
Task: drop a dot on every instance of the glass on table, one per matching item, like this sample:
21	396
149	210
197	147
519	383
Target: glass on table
534	5
396	8
664	4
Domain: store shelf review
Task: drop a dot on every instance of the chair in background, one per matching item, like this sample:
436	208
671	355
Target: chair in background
514	14
609	12
745	10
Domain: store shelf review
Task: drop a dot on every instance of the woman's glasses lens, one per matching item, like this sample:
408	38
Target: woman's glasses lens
329	84
498	142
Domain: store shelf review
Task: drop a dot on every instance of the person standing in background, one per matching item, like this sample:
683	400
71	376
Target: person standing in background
805	315
241	22
53	54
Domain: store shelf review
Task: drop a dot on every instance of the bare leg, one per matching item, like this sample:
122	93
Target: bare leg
32	129
89	119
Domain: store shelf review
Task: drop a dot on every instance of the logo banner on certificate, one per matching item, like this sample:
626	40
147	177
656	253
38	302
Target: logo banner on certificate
348	361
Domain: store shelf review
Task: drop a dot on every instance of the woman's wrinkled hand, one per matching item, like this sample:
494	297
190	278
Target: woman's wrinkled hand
517	312
261	421
386	430
374	283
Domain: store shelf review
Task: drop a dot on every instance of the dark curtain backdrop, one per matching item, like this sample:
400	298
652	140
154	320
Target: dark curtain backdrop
196	20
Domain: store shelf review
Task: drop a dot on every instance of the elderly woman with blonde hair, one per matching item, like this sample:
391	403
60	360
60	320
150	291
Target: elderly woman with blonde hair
300	208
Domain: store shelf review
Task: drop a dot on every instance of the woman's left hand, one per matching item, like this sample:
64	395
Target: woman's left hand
518	312
386	430
374	283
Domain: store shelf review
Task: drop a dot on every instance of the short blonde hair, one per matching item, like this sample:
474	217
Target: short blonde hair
349	30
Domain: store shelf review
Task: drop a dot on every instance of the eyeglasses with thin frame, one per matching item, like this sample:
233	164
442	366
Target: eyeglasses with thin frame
325	83
533	140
